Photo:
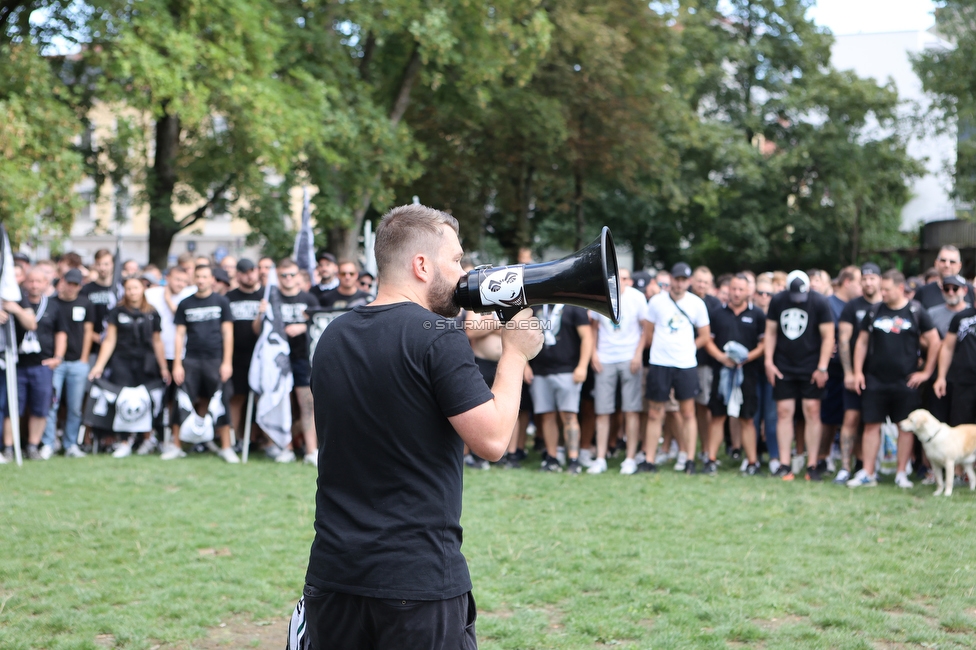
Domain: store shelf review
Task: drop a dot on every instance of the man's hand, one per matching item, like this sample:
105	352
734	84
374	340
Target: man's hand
635	364
849	381
226	370
859	385
51	363
579	375
772	373
262	307
178	374
4	317
726	361
167	377
523	335
939	388
595	362
819	377
527	375
296	329
95	373
916	379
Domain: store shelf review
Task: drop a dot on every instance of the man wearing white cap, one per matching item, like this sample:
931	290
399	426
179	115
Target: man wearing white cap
799	342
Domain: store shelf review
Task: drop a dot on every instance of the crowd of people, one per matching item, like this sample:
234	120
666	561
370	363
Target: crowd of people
800	368
191	329
797	371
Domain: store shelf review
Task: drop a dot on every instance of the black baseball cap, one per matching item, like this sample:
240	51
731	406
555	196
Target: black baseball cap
641	279
914	284
956	280
244	265
21	257
798	284
680	270
325	255
73	276
870	268
220	275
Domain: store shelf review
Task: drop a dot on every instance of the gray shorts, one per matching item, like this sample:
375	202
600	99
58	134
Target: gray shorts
555	393
705	376
605	390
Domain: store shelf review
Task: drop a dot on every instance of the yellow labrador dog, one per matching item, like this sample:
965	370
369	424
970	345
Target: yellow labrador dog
945	446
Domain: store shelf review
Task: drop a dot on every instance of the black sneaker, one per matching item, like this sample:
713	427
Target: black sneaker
858	466
814	473
574	467
736	454
520	455
33	453
752	469
509	461
646	468
783	472
690	467
822	466
710	467
550	465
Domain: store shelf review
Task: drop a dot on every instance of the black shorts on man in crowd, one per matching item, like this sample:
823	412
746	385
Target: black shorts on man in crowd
661	379
793	388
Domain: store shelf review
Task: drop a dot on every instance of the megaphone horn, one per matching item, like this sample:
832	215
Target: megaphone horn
587	278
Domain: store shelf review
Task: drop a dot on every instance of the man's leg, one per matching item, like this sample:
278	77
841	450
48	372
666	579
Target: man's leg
35	429
770	420
785	409
50	430
812	430
870	443
655	419
690	427
848	434
603	436
716	433
550	432
224	433
632	428
571	431
906	443
307	409
748	429
76	381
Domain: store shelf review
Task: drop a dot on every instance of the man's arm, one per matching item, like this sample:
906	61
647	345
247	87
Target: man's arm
933	342
826	351
24	316
226	366
704	336
586	351
860	354
945	362
86	341
595	358
60	347
769	349
844	332
487	428
178	354
717	354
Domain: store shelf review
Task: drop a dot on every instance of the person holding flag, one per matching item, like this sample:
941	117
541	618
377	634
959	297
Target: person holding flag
10	297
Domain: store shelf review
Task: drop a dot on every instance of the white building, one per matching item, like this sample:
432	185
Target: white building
884	57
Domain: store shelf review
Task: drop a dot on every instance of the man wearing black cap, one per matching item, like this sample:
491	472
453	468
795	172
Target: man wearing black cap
244	303
957	365
948	263
954	293
676	325
850	322
221	281
327	269
799	342
71	375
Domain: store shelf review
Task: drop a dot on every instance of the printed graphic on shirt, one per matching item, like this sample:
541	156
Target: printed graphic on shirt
293	312
202	314
966	327
794	323
78	314
892	325
245	309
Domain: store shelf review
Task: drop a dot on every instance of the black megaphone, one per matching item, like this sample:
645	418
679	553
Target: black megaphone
587	278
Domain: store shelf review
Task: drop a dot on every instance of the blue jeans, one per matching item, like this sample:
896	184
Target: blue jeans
767	411
70	378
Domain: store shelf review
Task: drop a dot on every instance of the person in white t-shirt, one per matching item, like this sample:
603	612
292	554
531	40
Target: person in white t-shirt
614	363
675	325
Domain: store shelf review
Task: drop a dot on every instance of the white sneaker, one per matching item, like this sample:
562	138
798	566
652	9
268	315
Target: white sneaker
586	458
147	447
3	459
229	456
744	464
640	457
861	479
124	450
679	465
74	451
831	465
312	459
561	456
901	480
773	465
843	476
287	456
629	466
172	451
599	466
46	451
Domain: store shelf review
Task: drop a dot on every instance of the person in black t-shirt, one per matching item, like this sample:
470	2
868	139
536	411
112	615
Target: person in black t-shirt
385	569
204	324
132	353
847	328
295	304
24	320
799	342
746	325
244	303
102	293
326	269
347	295
886	359
947	263
556	376
957	368
71	375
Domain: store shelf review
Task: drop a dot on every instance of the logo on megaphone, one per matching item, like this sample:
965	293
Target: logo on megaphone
587	278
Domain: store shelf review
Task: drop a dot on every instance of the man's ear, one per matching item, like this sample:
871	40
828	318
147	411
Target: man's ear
420	265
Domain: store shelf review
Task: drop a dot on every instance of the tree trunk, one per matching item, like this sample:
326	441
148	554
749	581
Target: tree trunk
161	182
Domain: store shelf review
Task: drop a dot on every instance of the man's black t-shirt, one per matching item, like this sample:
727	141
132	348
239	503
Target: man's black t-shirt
853	313
48	324
893	344
963	368
561	351
134	331
388	504
335	300
930	295
713	305
74	314
798	338
293	310
748	328
103	299
244	309
319	290
203	318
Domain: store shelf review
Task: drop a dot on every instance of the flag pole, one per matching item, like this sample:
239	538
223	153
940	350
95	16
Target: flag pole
247	426
13	401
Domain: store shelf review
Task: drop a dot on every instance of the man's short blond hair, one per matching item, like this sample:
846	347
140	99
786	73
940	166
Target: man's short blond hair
405	231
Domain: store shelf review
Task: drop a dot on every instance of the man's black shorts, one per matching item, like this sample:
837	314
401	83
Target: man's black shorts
488	369
750	396
852	401
832	406
335	621
301	372
661	379
962	404
896	402
796	388
202	381
242	366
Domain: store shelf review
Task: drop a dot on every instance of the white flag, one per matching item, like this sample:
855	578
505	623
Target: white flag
270	375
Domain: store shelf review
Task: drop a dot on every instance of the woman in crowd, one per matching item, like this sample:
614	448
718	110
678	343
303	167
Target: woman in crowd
132	351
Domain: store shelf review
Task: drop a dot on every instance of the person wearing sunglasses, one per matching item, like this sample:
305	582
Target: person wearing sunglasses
348	294
366	280
956	380
947	263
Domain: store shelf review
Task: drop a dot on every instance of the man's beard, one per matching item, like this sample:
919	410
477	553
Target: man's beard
441	296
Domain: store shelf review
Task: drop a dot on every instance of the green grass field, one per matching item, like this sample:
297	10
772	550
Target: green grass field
152	552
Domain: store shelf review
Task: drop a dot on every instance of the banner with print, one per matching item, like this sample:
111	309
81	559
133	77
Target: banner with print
270	374
124	409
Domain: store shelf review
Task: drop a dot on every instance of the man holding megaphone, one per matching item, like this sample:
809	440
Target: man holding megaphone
385	568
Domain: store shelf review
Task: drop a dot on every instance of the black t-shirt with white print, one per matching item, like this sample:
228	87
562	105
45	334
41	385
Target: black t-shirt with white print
74	314
853	313
103	299
798	338
561	350
134	331
963	368
48	324
893	344
244	309
203	318
293	310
